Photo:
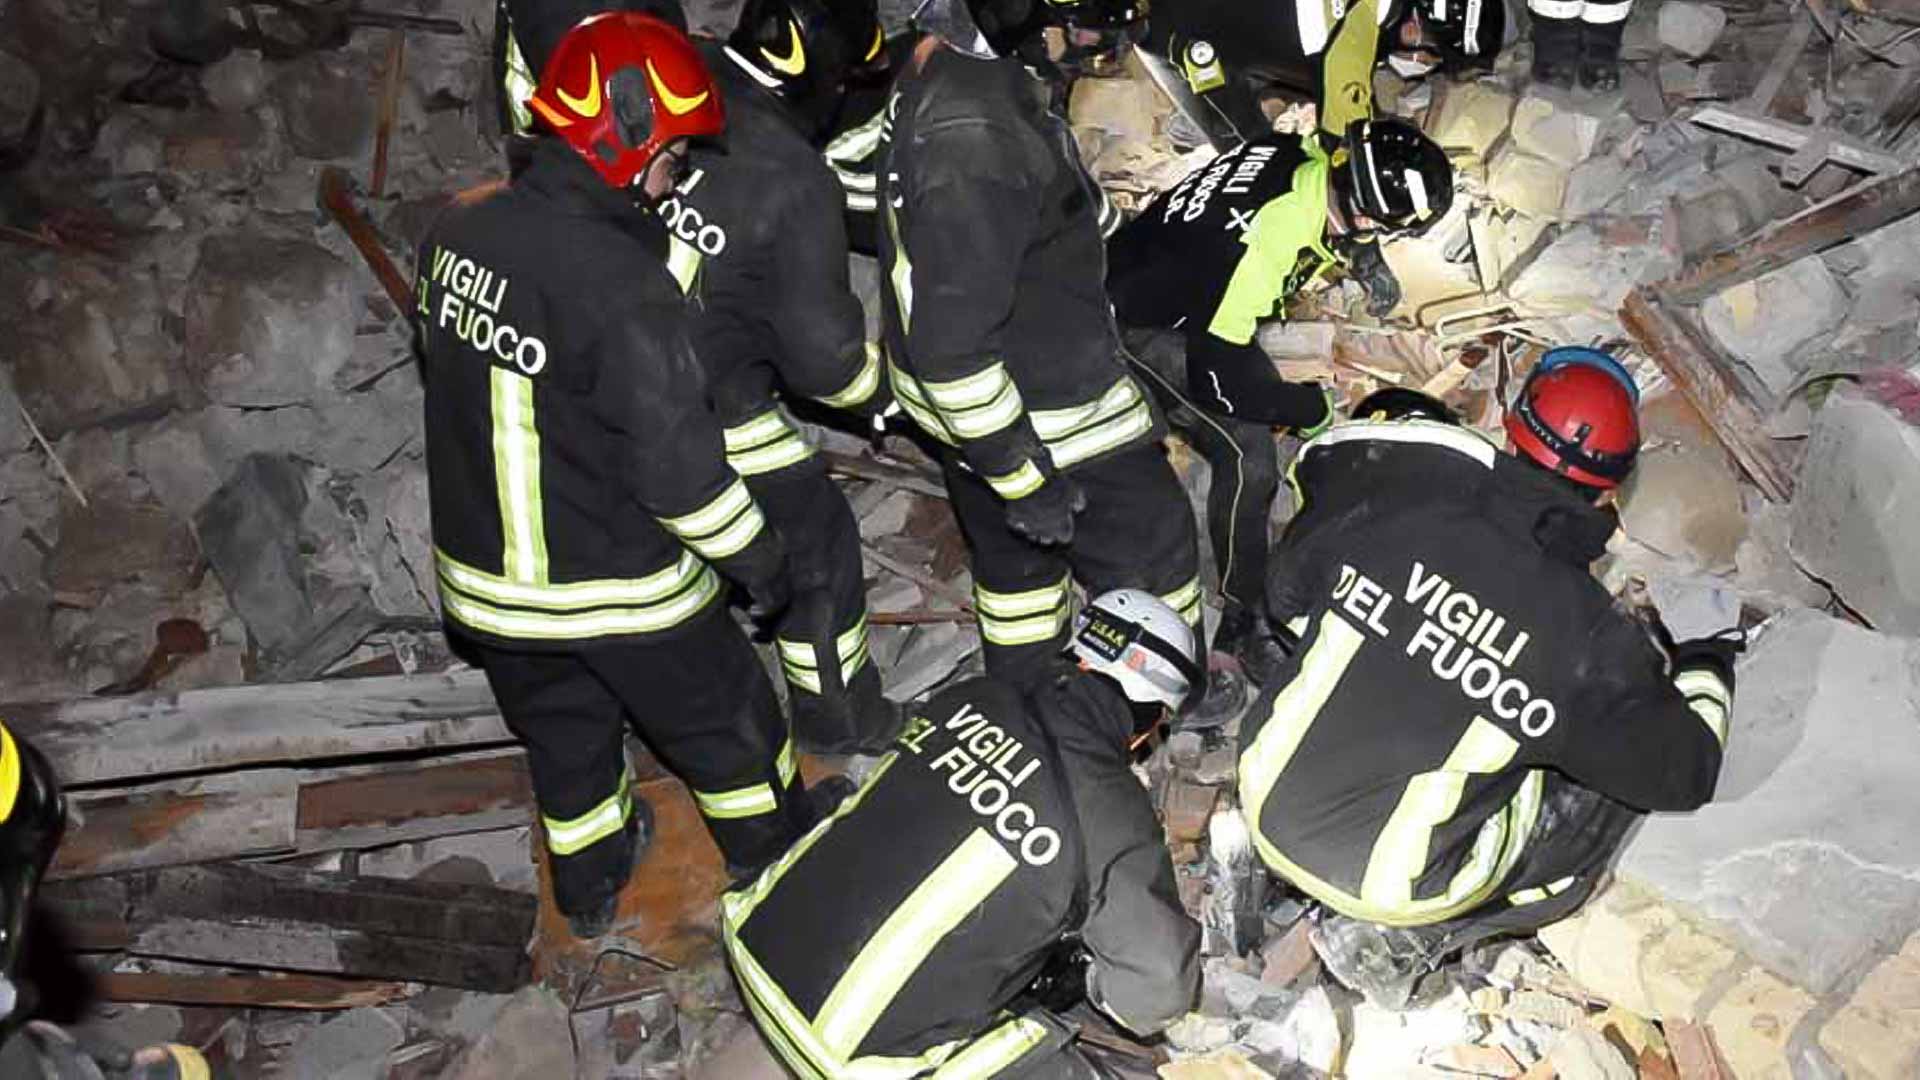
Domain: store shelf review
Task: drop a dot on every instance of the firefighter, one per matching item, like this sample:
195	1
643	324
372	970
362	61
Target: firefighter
33	817
776	314
1578	40
582	501
1468	726
1195	272
854	146
526	31
1001	342
999	864
1326	49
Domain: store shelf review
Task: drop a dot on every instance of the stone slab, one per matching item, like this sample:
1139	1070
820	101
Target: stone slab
1769	322
1856	513
1815	808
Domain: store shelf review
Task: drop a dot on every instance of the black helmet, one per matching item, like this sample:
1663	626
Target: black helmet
1392	173
32	817
1466	33
1402	403
804	50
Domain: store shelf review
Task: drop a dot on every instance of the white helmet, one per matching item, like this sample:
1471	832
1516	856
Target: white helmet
1139	641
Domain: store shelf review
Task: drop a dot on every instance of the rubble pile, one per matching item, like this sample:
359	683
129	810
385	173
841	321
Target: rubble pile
213	496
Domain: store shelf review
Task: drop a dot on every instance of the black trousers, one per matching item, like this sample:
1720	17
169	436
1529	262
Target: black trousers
1569	852
1243	458
699	698
1136	532
833	687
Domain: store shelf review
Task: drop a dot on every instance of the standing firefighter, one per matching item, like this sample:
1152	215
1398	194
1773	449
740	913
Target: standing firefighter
999	864
1002	344
1327	49
1194	274
1469	726
581	495
1578	39
777	314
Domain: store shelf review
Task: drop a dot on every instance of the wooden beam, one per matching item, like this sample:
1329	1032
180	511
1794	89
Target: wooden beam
415	802
266	991
1862	210
1796	138
227	817
1698	371
95	740
277	917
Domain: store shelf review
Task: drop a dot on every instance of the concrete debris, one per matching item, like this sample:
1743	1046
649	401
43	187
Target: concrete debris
110	542
237	83
1236	886
93	350
1784	843
268	321
1695	606
1470	117
1585	1054
1683	501
324	101
931	654
1690	29
1562	135
530	1036
352	1046
1219	1065
1526	182
1856	511
1592	266
1772	323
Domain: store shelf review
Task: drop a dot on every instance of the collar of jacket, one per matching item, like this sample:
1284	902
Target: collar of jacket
1523	499
1095	703
554	172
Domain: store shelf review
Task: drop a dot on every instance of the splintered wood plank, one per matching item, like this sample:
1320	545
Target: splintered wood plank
95	740
266	991
1844	217
226	817
1699	373
415	802
669	910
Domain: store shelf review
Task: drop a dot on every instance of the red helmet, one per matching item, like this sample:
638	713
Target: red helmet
1579	421
621	86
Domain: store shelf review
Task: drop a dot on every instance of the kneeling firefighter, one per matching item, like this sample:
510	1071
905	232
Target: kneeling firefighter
1001	862
1468	725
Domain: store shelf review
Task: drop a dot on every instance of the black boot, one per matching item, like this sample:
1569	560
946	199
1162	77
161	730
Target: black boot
1600	56
591	913
1556	51
1245	636
1381	962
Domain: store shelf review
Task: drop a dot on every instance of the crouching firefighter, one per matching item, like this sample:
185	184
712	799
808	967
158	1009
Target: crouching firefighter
1194	274
1002	344
1468	726
33	817
776	314
582	500
1004	840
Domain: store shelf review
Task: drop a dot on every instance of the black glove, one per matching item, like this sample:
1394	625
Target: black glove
1367	265
768	597
1045	517
1717	652
1062	982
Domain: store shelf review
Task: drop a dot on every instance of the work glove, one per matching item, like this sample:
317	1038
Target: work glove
1717	652
768	597
1062	982
1367	266
1045	517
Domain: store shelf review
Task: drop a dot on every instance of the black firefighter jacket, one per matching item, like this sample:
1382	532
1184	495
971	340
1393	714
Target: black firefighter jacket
998	331
775	309
1454	646
578	480
898	935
